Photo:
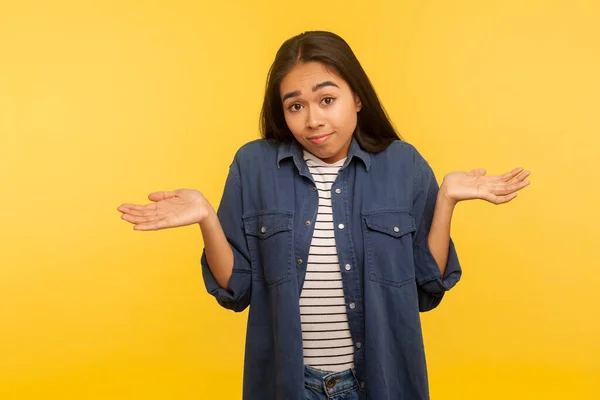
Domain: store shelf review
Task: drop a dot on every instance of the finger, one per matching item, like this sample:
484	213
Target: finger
479	171
509	175
151	226
504	199
147	210
126	206
520	177
506	189
137	219
158	196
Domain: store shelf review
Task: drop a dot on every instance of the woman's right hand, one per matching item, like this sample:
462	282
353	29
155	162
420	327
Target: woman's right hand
170	209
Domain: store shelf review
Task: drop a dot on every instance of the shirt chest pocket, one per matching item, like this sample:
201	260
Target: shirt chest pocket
389	246
269	237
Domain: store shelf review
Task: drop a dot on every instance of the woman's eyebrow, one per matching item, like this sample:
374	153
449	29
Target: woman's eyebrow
318	86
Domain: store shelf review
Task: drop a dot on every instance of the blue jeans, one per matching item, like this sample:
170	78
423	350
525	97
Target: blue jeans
324	385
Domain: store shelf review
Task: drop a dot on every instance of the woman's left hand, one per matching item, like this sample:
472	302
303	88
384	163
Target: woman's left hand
459	186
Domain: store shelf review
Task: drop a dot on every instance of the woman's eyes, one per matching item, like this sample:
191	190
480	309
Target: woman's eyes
297	106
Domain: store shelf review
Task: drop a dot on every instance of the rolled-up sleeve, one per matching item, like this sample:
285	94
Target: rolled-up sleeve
430	282
236	296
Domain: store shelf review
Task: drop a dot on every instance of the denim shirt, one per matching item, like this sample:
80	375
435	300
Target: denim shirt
383	206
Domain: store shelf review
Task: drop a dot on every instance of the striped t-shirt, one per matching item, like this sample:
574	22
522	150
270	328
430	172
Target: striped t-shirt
326	335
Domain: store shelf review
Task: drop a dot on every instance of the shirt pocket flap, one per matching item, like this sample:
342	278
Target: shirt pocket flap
267	224
393	223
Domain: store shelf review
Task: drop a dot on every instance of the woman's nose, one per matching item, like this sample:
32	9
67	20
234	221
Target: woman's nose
314	117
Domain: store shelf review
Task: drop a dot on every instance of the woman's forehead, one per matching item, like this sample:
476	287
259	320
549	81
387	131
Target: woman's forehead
306	76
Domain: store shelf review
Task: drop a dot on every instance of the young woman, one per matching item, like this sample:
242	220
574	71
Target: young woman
333	230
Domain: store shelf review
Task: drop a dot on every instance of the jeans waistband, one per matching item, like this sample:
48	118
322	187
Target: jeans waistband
330	382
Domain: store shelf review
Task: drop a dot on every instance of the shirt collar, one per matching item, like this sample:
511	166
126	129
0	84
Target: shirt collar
294	150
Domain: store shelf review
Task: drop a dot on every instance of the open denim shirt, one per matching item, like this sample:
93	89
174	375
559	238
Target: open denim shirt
383	207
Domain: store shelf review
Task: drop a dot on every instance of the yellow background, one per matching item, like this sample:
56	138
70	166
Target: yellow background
103	102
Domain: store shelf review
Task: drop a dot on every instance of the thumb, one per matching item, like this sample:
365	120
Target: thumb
158	196
479	171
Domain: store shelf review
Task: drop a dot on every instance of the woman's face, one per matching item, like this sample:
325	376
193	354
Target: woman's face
320	110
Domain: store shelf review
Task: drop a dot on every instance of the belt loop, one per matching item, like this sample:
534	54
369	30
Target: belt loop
356	378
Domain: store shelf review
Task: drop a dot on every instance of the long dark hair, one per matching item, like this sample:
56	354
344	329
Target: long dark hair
374	130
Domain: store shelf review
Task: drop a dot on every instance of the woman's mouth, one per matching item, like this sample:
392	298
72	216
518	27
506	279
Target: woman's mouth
320	139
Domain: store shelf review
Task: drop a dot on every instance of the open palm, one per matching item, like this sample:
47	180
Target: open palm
170	209
459	186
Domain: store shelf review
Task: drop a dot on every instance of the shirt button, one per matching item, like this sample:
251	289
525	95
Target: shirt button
396	229
263	229
341	226
352	306
314	188
348	267
338	191
307	223
299	261
362	384
358	345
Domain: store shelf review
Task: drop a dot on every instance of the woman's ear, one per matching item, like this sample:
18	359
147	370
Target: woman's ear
357	102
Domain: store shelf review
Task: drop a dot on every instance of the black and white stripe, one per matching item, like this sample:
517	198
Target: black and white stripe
326	335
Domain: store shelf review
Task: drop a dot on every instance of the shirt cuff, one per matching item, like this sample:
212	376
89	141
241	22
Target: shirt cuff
236	296
429	277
